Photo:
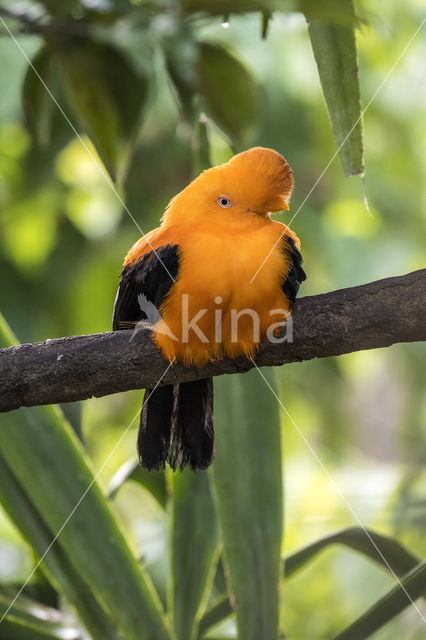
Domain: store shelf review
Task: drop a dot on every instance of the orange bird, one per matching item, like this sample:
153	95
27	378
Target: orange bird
192	278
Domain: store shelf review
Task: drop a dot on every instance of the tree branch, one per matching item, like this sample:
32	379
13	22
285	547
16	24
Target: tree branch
37	21
374	315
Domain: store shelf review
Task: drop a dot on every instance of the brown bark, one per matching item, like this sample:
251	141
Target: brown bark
369	316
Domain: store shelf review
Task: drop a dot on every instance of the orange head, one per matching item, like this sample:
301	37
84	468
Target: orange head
254	182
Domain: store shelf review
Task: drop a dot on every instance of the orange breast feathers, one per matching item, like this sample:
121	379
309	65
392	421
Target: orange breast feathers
237	270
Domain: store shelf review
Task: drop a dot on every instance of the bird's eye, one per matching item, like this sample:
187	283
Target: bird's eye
224	202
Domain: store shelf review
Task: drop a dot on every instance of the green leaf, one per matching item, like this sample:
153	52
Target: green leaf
181	64
107	95
72	412
394	554
330	9
7	337
266	18
229	92
27	608
38	444
335	52
201	147
37	104
399	559
61	8
412	586
248	486
56	564
40	588
194	550
218	612
153	481
28	619
15	629
226	7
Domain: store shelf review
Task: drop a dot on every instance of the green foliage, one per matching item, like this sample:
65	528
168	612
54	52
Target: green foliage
34	437
18	630
386	551
153	481
29	620
335	52
389	553
411	587
194	550
201	155
228	91
225	88
107	95
39	443
56	564
37	103
162	90
246	470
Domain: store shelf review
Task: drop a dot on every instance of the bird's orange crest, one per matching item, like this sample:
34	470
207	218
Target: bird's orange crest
264	176
256	181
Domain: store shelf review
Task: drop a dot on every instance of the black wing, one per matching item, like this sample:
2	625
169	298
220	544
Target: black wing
153	276
295	274
176	424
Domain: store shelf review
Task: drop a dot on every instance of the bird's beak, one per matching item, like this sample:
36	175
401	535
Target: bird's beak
278	203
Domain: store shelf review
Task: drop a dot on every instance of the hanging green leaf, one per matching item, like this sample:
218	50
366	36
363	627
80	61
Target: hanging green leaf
181	63
332	11
194	550
229	92
412	586
335	52
246	469
107	95
266	18
201	147
37	103
227	89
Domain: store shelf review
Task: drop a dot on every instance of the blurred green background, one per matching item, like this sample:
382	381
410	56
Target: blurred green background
63	235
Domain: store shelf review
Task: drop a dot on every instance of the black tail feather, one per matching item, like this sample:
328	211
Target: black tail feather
193	434
155	428
177	426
